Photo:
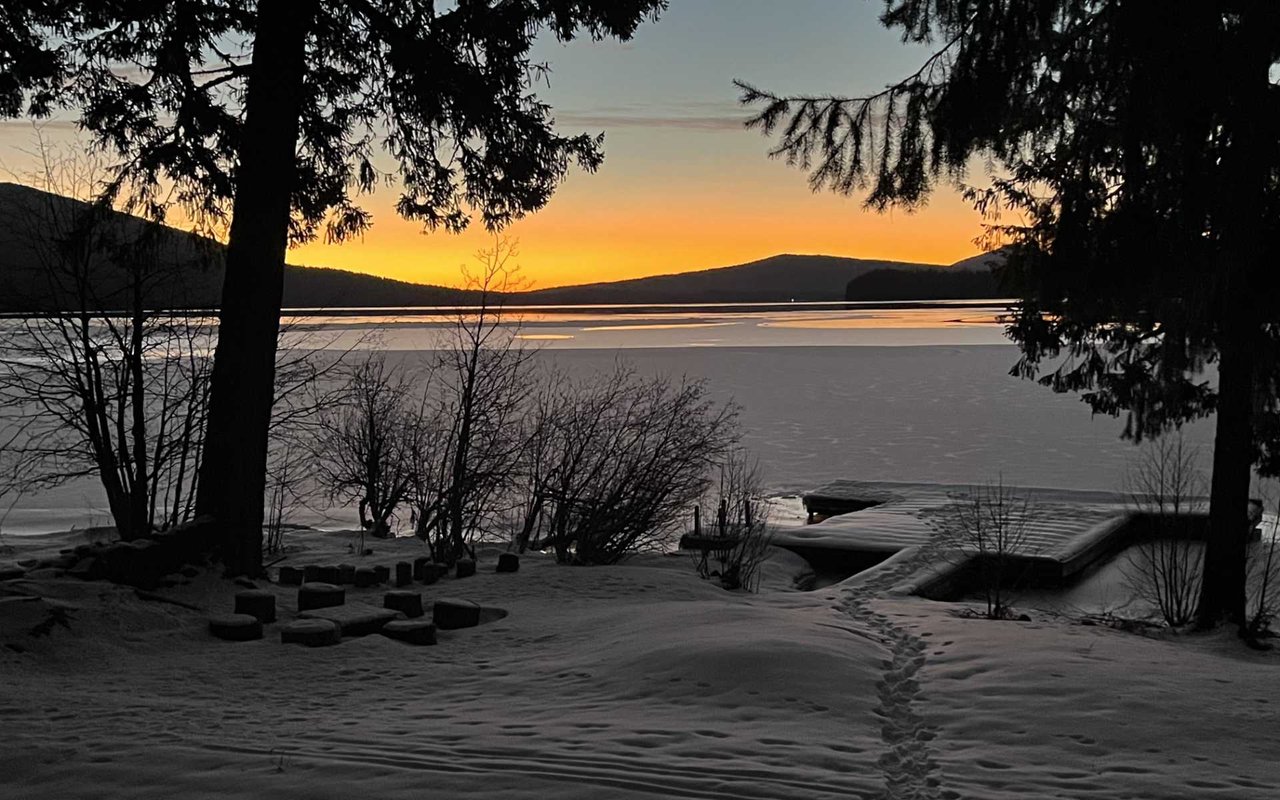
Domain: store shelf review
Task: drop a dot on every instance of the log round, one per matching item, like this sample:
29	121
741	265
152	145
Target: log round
450	614
257	603
405	601
320	595
311	632
411	631
235	627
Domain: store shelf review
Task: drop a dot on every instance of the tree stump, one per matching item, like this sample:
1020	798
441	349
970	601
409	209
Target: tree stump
348	574
311	632
235	627
365	577
404	573
420	567
407	602
450	614
331	574
508	562
465	568
320	595
290	576
411	631
311	574
382	574
257	603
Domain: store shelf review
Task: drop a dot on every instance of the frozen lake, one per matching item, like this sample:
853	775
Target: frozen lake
873	393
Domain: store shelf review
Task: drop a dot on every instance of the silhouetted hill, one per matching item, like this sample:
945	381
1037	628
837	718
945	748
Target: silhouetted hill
38	231
776	279
898	284
970	279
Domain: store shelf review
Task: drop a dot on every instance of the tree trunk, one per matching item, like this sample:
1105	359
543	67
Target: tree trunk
1222	591
1244	169
233	475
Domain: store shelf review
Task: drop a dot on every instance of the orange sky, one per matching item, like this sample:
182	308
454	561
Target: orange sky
617	224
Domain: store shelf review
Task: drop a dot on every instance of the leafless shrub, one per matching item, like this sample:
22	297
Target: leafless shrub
990	527
739	516
1164	570
364	450
619	461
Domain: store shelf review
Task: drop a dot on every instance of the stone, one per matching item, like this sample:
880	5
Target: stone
465	568
89	568
257	603
508	562
291	576
410	631
311	574
311	632
405	601
419	568
320	595
382	573
404	573
355	619
235	627
331	574
450	614
348	573
365	577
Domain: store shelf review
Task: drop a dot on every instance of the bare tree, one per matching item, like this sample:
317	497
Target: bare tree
97	382
990	527
1264	579
365	448
1164	570
470	441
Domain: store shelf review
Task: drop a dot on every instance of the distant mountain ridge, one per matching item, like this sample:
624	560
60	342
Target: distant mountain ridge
197	262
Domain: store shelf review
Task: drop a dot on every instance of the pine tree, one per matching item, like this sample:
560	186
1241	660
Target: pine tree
273	116
1140	145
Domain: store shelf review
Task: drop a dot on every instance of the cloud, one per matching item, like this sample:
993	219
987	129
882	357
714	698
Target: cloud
691	116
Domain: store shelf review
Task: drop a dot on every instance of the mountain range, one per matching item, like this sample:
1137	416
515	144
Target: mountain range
32	221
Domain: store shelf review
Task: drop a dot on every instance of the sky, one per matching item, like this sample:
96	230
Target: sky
684	185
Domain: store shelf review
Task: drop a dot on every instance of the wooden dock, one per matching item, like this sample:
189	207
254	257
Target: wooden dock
1067	531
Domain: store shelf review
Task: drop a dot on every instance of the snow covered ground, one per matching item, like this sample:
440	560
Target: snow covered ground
632	681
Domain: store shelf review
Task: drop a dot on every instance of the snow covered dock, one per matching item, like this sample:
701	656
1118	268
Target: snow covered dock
861	523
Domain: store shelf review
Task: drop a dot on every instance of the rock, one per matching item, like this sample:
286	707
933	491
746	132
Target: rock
355	619
235	627
465	568
257	603
320	595
508	562
348	573
450	614
311	574
404	573
406	602
291	576
331	574
311	632
419	568
365	577
410	631
382	573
